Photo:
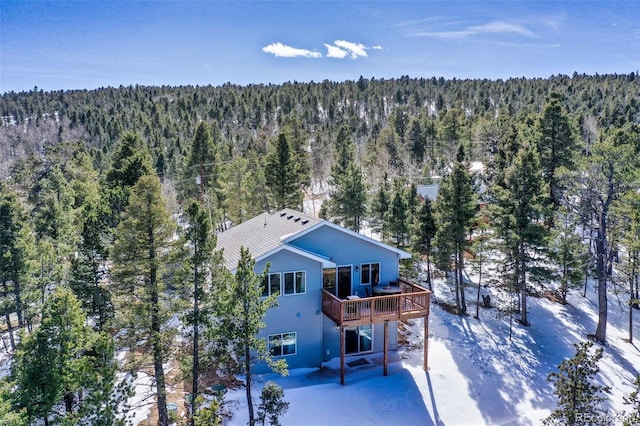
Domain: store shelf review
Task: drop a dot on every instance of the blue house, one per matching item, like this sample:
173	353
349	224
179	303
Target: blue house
339	292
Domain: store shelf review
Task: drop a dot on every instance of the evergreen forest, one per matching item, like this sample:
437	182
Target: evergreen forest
110	201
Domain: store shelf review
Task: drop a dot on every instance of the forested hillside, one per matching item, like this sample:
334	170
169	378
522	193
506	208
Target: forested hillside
109	197
377	112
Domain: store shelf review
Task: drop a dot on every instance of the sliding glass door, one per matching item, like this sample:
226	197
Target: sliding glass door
358	339
344	281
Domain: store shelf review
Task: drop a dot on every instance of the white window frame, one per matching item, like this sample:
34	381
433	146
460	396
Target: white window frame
295	283
268	278
357	329
370	264
281	336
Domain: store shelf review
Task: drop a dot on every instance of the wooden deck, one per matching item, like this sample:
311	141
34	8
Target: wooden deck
412	302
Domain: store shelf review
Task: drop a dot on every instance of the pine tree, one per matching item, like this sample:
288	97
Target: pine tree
53	209
425	232
413	201
62	358
379	206
567	250
131	160
10	414
579	398
557	148
632	399
38	382
480	256
201	175
396	220
344	152
516	218
17	250
202	162
604	177
450	126
455	211
201	261
628	213
243	186
54	223
88	268
299	149
504	145
282	177
348	196
416	139
141	257
272	404
242	320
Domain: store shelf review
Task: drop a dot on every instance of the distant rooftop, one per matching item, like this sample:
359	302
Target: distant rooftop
428	191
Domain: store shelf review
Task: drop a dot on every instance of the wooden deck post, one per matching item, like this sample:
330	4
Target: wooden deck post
426	343
386	346
413	303
342	350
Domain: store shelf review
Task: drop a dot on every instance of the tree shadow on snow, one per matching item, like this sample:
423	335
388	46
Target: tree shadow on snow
502	374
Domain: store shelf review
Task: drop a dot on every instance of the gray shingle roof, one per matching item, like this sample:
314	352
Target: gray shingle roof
262	234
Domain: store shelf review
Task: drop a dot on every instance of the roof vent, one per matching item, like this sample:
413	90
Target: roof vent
304	222
283	214
297	219
289	217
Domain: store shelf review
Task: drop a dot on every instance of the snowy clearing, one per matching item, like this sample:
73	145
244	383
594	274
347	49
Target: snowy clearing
476	376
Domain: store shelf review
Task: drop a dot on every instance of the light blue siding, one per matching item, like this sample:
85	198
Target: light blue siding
378	336
318	339
345	249
331	338
300	313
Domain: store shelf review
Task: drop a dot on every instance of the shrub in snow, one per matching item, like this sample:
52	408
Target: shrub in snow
579	398
272	405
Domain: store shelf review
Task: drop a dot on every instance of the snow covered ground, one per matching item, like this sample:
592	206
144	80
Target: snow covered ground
477	375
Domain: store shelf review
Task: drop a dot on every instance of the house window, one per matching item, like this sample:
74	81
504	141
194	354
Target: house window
295	282
329	280
271	284
370	273
358	339
283	344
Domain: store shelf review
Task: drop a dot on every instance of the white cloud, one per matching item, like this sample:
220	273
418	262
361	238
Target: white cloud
495	27
355	49
499	27
335	52
340	49
282	50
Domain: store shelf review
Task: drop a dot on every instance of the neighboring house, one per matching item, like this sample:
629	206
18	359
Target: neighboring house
324	275
431	191
428	191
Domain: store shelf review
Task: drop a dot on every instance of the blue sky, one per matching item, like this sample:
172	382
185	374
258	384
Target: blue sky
89	44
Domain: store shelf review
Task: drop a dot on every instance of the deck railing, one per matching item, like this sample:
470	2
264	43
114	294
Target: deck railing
412	302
